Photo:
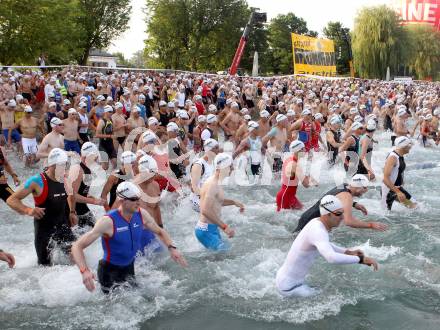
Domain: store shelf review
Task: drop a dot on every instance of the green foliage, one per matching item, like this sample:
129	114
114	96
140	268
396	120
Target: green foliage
194	35
27	30
64	30
340	35
280	41
377	42
423	53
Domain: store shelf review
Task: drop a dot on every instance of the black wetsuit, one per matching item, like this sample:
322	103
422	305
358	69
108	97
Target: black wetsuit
54	226
313	212
106	144
118	173
333	151
175	152
361	167
85	216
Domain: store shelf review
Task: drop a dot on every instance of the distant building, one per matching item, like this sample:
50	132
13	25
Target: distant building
101	58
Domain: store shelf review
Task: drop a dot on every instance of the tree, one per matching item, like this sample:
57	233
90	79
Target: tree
378	42
194	35
100	22
121	60
49	27
280	41
340	35
423	56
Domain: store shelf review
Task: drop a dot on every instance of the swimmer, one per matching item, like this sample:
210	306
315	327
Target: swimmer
393	175
290	177
314	239
211	201
201	170
356	188
120	231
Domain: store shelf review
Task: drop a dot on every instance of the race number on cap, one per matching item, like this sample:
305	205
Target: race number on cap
264	114
201	119
152	121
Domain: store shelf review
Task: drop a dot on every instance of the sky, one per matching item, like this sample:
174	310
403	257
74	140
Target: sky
317	13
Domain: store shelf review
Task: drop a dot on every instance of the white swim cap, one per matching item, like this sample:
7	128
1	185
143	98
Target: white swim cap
149	137
147	164
290	113
264	114
356	125
335	120
12	104
318	116
359	181
247	117
153	121
108	108
182	114
296	146
71	111
428	117
306	112
401	112
280	118
100	98
210	144
28	108
371	125
55	121
358	118
140	153
172	127
88	148
128	190
212	108
118	105
162	103
82	105
211	118
329	204
222	160
402	142
66	102
57	156
252	125
128	157
244	111
353	111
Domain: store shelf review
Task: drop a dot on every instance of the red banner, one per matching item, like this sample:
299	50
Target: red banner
419	12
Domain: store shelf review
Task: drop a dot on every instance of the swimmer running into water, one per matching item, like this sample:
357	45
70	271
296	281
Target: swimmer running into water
314	239
211	201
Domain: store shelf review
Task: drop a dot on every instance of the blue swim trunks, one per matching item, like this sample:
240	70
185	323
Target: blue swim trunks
209	235
72	146
15	136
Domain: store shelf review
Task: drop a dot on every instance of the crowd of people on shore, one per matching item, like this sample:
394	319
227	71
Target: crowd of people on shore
146	133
